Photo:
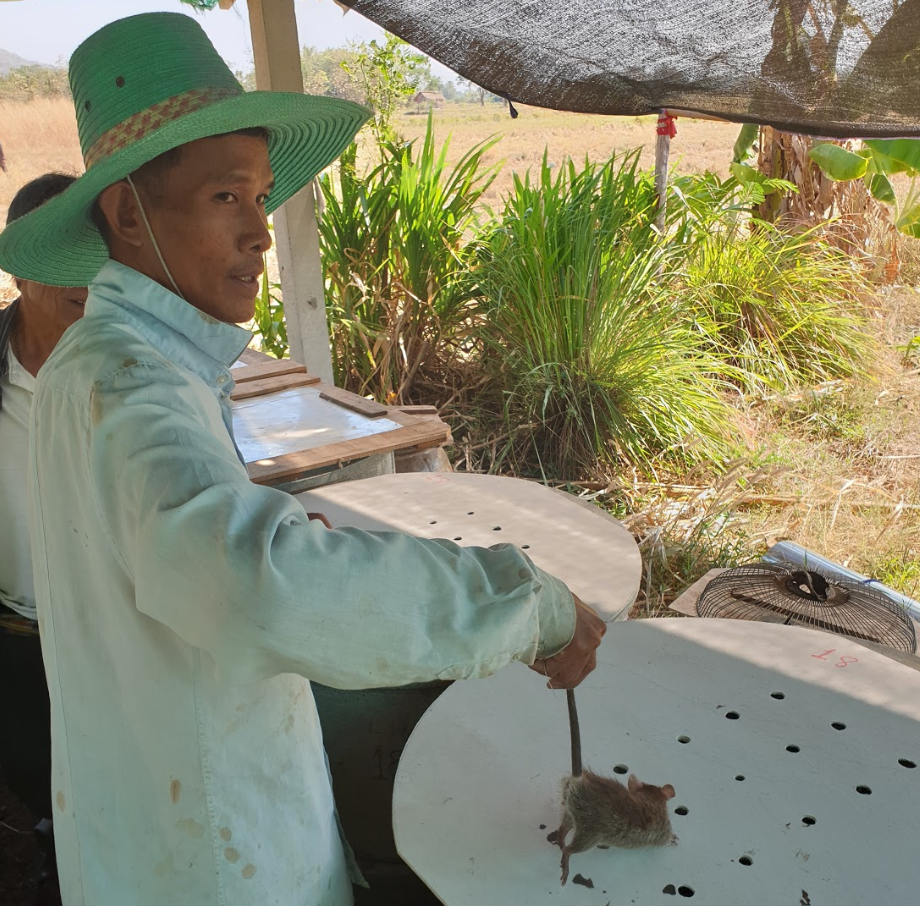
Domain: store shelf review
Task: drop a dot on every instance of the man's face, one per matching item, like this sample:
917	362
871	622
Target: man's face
209	220
54	308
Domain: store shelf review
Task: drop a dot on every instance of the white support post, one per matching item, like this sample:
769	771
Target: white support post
276	53
662	151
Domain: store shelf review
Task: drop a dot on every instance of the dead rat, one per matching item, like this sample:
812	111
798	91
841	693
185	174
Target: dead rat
603	812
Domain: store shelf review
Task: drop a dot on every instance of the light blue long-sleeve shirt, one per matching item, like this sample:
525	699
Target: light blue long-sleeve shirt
184	611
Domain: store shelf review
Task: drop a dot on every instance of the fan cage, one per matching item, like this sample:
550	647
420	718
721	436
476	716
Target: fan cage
791	594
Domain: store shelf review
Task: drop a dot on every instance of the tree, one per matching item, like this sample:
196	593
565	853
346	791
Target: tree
388	75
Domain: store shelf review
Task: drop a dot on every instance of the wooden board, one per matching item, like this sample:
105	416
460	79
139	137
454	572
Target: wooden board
419	435
283	433
794	754
265	386
352	401
251	356
245	373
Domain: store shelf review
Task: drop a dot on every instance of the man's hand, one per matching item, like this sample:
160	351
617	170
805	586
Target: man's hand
568	668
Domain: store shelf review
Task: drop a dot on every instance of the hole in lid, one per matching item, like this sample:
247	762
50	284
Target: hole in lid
458	538
685	891
809	820
497	528
793	749
864	791
471	513
778	695
525	547
838	726
746	860
120	81
683	739
669	889
620	769
732	715
907	763
433	522
681	810
739	776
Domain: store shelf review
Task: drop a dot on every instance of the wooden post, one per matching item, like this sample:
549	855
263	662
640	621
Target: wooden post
276	53
662	151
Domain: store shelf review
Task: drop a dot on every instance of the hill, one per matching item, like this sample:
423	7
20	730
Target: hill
9	60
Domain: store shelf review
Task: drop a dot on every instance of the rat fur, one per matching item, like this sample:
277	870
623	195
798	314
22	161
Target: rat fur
600	811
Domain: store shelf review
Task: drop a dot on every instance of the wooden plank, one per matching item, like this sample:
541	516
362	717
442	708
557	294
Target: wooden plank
272	385
417	410
251	356
418	434
352	401
685	602
403	418
275	368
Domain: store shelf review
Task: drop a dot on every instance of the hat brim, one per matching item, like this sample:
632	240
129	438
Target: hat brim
59	244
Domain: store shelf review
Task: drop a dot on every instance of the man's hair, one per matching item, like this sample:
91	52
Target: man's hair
35	193
152	175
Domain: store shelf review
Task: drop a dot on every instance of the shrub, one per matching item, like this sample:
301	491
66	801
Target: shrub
584	340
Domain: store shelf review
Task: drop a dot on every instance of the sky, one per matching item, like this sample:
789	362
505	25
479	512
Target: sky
48	31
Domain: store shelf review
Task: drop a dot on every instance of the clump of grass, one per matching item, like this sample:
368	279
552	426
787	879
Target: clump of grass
584	340
780	309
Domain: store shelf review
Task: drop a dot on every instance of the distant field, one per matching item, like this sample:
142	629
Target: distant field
41	136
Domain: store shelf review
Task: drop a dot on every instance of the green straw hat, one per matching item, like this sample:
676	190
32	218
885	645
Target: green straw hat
142	86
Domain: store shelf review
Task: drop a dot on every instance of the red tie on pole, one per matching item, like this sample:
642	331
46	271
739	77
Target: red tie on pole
667	124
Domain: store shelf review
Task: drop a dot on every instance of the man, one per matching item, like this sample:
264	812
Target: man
185	609
30	328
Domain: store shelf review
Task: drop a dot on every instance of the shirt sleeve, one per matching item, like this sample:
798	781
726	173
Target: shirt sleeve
239	571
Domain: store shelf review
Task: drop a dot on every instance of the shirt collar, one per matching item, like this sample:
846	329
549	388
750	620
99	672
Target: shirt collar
184	334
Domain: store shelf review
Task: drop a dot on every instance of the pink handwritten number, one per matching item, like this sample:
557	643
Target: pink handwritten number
845	659
437	479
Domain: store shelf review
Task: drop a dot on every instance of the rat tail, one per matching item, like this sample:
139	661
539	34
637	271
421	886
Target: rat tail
574	732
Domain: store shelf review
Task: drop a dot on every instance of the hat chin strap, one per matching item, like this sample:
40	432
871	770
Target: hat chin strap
153	239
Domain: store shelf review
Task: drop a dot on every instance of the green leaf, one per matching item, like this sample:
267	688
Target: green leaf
838	163
747	175
897	155
909	221
881	188
745	142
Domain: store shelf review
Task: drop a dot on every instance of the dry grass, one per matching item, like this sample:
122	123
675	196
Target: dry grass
834	469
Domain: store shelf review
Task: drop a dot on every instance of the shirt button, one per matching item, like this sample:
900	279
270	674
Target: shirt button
221	380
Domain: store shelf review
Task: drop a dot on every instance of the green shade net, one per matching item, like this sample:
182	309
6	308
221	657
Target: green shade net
838	68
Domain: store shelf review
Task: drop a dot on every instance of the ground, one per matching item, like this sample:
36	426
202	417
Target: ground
20	857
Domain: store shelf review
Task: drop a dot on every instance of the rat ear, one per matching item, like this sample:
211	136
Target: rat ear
668	791
635	784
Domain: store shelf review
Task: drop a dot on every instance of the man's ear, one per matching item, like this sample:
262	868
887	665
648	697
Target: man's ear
119	208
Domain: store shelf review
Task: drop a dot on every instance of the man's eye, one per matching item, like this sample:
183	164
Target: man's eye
262	199
225	196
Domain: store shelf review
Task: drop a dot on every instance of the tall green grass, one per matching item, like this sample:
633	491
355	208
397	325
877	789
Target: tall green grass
582	335
394	247
780	308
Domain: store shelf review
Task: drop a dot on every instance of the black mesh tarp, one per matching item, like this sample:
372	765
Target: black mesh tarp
843	68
